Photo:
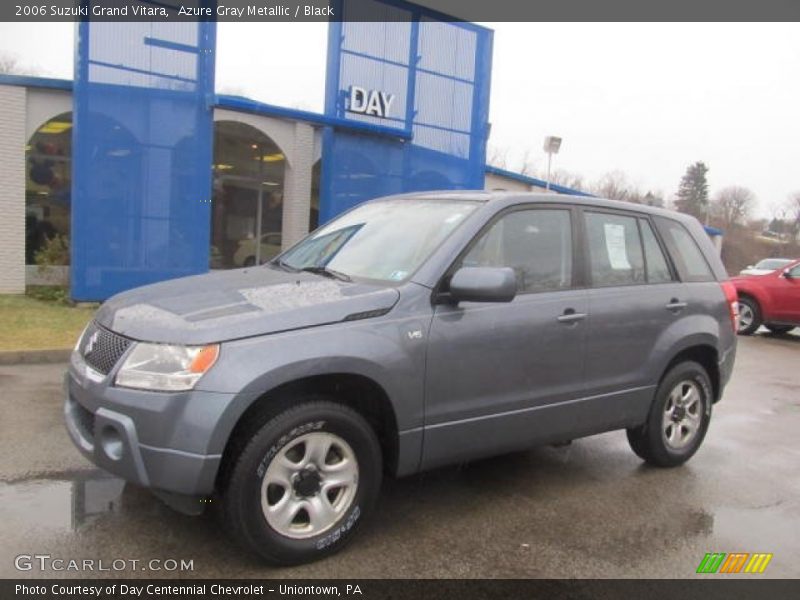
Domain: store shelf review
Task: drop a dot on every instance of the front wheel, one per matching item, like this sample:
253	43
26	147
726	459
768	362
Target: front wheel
303	483
749	316
678	419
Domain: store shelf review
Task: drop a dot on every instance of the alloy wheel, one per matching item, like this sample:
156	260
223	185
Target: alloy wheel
683	415
746	316
309	485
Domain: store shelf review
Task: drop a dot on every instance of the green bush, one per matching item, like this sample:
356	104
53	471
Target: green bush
54	252
56	294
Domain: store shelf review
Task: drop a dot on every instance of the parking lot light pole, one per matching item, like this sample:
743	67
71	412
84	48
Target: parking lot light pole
551	146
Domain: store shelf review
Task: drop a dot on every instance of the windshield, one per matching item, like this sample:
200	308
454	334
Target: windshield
385	240
772	263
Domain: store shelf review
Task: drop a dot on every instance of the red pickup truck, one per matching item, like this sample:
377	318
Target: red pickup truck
772	300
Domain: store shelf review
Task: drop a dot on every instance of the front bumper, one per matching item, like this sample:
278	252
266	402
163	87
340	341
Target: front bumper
164	441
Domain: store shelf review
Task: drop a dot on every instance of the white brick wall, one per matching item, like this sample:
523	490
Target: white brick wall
297	185
498	182
12	189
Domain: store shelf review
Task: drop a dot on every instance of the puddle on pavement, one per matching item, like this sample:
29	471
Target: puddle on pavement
60	504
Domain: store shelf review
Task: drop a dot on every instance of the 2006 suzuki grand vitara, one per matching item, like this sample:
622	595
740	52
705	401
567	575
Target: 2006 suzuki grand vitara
411	332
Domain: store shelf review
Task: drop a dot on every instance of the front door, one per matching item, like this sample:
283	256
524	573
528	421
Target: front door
496	371
784	291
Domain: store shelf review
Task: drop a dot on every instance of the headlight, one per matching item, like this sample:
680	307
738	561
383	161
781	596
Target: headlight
166	368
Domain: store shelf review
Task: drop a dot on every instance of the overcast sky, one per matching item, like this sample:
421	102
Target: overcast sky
644	99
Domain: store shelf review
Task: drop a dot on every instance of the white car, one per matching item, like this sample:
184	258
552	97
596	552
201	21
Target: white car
766	266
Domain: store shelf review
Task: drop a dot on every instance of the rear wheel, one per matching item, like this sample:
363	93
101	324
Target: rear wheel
678	419
749	316
779	329
250	261
303	483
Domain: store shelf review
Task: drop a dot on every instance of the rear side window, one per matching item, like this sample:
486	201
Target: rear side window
536	243
686	254
657	267
615	250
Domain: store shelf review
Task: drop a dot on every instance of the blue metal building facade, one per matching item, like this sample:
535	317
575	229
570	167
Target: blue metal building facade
437	75
143	132
142	144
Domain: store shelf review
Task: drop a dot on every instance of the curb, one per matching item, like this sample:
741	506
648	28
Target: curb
32	357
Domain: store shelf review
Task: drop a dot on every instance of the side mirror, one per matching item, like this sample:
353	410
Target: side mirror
483	284
787	273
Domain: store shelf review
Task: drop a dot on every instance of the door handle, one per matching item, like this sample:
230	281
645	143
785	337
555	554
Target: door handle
676	305
570	316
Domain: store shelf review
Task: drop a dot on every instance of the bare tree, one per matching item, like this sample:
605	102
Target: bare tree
567	179
8	64
528	166
733	205
793	215
615	186
497	157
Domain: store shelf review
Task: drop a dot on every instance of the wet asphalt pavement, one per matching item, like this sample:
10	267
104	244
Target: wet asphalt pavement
591	509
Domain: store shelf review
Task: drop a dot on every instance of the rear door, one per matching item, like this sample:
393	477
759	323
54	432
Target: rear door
634	296
497	373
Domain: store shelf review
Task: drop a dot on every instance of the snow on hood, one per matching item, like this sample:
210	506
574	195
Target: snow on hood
236	304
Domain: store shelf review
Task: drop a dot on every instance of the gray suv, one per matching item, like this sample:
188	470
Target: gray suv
412	332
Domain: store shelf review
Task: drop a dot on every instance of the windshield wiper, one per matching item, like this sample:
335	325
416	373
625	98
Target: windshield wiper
285	266
326	272
316	270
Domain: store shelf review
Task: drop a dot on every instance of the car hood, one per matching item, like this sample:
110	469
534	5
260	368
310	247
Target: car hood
228	305
751	276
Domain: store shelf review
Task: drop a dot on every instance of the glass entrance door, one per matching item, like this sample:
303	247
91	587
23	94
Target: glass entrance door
247	213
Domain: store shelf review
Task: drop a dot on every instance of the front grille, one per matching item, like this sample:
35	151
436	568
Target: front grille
101	348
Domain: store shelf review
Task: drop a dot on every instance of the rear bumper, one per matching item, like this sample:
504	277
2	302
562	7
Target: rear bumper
133	434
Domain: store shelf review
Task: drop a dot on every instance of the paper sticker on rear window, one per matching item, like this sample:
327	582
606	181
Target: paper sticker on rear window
615	246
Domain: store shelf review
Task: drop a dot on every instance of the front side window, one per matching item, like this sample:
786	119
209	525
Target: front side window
536	243
615	250
386	241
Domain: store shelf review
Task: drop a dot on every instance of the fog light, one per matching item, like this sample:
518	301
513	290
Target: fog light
111	442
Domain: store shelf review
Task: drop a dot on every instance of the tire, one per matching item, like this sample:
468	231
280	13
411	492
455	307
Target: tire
779	329
749	316
250	261
280	500
673	433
